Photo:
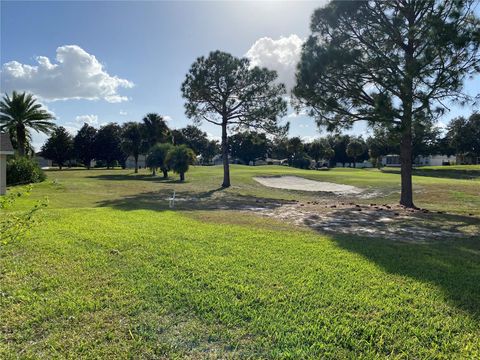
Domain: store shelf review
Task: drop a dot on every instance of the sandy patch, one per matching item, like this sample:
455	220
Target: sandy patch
298	183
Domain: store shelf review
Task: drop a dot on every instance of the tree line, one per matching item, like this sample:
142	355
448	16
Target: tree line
392	64
112	144
461	137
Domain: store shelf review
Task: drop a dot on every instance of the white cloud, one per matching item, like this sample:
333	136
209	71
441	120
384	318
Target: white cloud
123	113
75	74
281	55
89	119
210	136
167	118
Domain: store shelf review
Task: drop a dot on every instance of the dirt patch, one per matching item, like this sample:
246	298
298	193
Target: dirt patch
386	221
298	183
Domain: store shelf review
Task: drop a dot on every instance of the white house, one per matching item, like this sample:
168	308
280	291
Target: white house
130	162
5	149
430	160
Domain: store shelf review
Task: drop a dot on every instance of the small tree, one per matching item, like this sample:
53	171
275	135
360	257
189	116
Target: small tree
59	147
248	146
84	144
356	148
226	91
133	140
320	149
157	158
179	159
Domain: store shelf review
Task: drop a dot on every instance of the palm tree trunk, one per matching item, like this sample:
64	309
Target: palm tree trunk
21	139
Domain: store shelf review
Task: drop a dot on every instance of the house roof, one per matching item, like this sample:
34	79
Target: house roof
5	144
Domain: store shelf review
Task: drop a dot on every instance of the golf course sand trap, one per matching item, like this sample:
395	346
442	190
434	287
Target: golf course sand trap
298	183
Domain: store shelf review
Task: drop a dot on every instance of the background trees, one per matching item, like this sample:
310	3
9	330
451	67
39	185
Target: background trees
84	144
355	148
463	136
248	146
225	91
59	147
133	141
388	63
108	145
21	113
179	159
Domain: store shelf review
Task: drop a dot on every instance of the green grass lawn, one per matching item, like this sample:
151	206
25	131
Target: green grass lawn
112	272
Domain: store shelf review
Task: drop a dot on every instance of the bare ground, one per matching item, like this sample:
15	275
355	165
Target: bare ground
387	221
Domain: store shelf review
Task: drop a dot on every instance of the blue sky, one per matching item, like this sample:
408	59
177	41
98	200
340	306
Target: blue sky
139	53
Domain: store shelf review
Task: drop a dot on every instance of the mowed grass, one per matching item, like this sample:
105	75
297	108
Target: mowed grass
111	272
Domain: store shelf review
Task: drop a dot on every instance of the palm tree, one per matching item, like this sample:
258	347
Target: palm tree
20	113
132	141
156	129
179	159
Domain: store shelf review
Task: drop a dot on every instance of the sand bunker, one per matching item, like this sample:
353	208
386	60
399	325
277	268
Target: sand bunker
298	183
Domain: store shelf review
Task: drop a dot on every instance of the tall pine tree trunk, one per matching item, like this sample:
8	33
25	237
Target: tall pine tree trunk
406	197
226	166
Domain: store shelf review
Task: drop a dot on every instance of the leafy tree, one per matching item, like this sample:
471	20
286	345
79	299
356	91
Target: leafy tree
339	145
295	146
157	158
108	145
248	146
19	114
179	159
23	170
356	148
59	147
391	63
463	136
212	149
156	129
279	147
133	142
84	144
320	149
228	92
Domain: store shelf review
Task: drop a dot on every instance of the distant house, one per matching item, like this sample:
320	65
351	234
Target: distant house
42	162
130	162
6	149
430	160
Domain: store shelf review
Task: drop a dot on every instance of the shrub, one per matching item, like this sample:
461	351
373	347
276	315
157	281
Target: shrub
22	170
14	224
179	158
300	160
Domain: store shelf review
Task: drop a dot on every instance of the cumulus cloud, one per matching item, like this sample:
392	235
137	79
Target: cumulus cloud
167	118
88	119
75	74
123	113
281	55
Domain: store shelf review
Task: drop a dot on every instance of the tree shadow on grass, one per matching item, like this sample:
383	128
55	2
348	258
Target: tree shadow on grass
215	199
394	223
452	266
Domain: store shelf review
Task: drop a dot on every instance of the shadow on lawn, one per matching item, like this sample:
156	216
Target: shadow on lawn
453	266
401	225
215	199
